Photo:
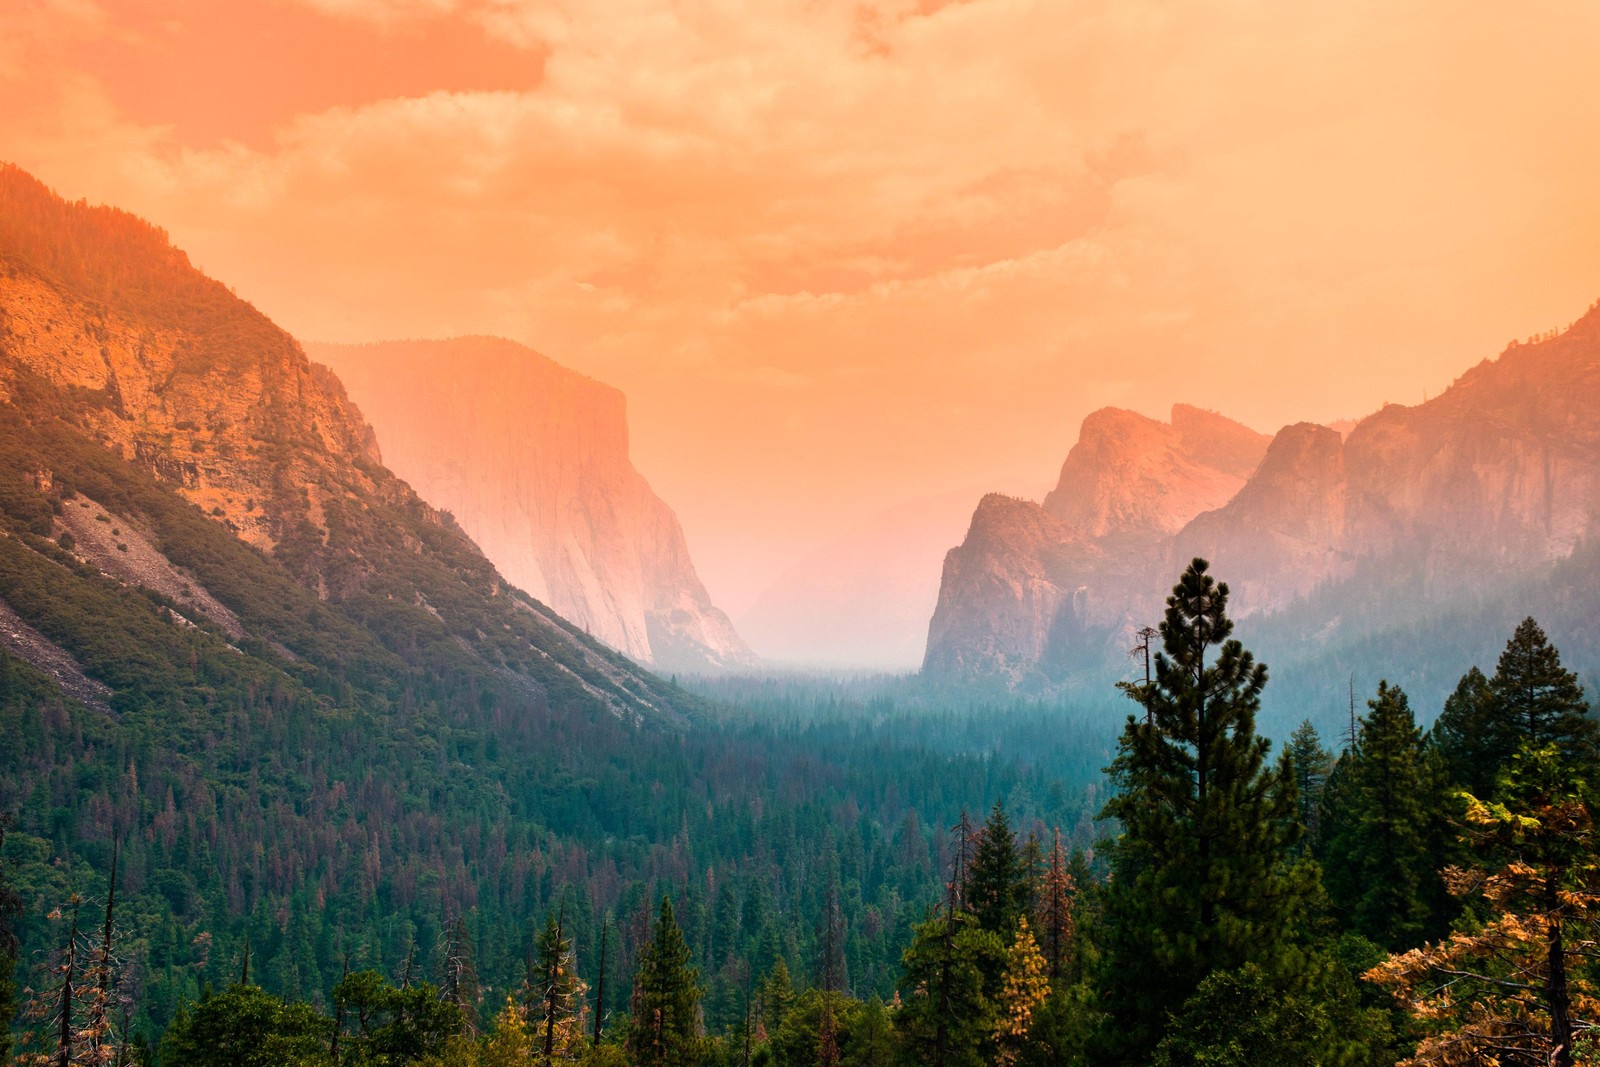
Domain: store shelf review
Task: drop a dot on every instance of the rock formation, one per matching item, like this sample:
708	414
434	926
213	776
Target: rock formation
531	458
1419	508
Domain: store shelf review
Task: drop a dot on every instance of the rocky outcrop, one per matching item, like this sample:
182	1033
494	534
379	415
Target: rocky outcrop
123	365
1035	590
1493	480
531	458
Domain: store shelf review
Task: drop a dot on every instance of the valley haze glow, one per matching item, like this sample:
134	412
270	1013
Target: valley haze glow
841	256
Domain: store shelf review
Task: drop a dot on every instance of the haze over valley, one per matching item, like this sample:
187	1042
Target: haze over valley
834	534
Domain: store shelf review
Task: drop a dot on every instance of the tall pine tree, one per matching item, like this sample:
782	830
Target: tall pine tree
997	882
664	1030
1377	855
1539	701
1471	741
1202	874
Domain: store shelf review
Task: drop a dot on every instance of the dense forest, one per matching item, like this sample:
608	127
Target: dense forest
806	882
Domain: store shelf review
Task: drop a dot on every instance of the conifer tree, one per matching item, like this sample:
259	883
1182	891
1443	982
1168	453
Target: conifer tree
776	996
1540	702
554	1003
1022	989
1470	739
1054	911
664	1028
997	882
1311	763
946	1015
831	968
1519	988
1377	855
458	968
1202	879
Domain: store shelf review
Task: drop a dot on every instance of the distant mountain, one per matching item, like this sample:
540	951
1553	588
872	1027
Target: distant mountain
1022	595
1461	508
163	436
532	460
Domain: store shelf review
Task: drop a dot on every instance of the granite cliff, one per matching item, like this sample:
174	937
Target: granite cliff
187	448
1416	513
531	458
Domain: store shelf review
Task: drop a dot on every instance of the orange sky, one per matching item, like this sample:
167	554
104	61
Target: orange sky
842	254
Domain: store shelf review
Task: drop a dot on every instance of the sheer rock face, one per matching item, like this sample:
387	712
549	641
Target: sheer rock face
532	460
247	430
1496	477
108	333
1029	585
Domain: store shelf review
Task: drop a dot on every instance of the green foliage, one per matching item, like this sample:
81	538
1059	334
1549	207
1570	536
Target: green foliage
1538	702
244	1026
386	1025
1202	879
664	1025
1242	1018
1377	856
1311	764
947	1008
998	882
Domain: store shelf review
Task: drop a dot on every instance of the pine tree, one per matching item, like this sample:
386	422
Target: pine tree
1054	912
946	1016
1202	879
555	1002
831	969
664	1028
1377	853
1311	763
458	968
776	996
1471	740
1539	701
1520	987
1022	989
997	882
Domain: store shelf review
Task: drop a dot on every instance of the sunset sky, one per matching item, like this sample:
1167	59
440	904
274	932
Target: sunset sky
842	255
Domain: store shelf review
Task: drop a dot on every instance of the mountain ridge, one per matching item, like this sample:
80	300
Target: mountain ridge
531	458
1462	497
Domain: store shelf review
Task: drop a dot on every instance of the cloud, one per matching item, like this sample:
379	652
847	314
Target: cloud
923	239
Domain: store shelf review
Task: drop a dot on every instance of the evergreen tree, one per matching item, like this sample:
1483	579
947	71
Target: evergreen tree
776	996
458	969
1471	740
1311	763
555	1002
997	881
246	1027
663	1030
1520	987
1023	988
1202	879
947	1015
1377	854
1054	911
1538	701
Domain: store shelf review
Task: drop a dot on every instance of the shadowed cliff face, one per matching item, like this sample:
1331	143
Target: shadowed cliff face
1494	480
532	460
